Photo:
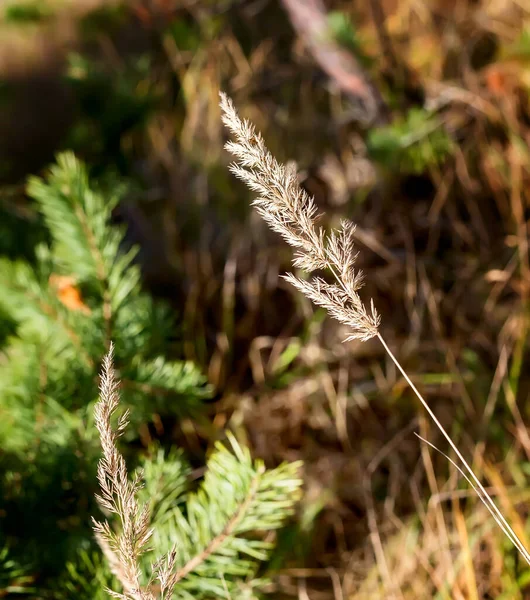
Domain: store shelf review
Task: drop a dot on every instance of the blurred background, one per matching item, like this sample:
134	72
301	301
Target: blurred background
411	118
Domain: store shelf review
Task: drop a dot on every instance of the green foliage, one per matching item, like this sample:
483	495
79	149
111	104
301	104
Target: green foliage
107	17
343	31
21	13
87	576
520	47
165	477
14	577
412	144
60	312
187	36
59	315
218	532
112	104
84	291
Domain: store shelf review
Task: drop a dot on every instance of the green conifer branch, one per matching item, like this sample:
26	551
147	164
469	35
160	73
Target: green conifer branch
203	548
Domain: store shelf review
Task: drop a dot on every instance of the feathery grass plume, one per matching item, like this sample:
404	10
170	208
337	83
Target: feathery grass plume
290	211
123	550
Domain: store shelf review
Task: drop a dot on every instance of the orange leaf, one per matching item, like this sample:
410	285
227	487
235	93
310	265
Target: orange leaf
68	293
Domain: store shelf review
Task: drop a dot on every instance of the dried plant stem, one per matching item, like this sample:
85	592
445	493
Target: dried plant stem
467	472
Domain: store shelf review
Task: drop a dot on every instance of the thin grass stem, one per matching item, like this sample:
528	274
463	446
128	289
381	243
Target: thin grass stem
467	471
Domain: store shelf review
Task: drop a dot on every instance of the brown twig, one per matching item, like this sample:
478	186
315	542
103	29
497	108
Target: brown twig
310	21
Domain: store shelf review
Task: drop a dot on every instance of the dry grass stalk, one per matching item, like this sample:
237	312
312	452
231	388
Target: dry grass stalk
124	549
289	210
